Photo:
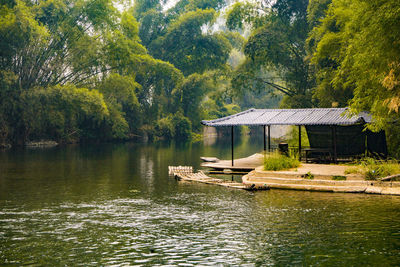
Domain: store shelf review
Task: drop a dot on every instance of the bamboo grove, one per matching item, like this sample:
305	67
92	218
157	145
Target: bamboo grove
90	70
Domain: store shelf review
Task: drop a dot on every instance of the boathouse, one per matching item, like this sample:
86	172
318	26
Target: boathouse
334	134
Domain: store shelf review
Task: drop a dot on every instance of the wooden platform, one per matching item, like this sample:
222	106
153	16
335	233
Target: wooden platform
242	164
186	173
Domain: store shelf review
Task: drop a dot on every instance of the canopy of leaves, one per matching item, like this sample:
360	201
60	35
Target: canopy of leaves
188	48
357	52
205	4
190	95
158	79
56	42
142	6
120	95
276	45
63	112
50	49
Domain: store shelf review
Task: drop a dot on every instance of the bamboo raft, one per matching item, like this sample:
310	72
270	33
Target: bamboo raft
185	173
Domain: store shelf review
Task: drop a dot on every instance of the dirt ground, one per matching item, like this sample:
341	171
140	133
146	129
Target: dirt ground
322	170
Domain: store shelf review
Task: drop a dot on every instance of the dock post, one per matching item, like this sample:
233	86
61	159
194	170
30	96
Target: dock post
299	142
269	138
232	143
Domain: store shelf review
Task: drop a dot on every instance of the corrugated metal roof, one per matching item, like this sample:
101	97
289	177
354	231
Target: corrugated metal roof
311	116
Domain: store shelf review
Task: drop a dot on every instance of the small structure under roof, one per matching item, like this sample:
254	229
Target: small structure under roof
310	116
330	130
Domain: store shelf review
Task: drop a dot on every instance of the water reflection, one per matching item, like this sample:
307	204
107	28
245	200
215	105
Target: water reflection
115	205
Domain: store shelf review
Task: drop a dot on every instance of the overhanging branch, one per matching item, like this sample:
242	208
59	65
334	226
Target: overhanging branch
278	87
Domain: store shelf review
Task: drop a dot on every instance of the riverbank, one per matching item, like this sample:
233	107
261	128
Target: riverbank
320	177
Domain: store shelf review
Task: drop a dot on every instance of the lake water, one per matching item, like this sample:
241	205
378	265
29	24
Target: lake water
115	205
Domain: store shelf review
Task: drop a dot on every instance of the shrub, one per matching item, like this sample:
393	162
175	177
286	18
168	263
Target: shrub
165	128
339	178
277	162
182	127
308	175
373	169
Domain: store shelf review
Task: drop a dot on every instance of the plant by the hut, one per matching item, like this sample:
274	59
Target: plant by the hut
277	162
373	169
309	176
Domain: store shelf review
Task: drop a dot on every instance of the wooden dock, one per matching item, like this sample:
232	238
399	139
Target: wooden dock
185	173
242	165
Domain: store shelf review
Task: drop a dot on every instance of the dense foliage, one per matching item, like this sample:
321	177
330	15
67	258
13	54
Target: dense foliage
325	53
357	59
74	70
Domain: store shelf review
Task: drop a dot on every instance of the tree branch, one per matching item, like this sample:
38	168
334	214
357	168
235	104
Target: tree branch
278	87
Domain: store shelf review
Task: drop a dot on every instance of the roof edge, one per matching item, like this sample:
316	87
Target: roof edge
351	119
207	122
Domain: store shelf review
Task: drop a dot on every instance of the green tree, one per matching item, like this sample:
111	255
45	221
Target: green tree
357	53
205	4
358	45
247	14
188	48
277	46
153	24
10	117
120	97
122	51
174	126
158	79
182	126
328	41
53	42
142	6
165	129
63	113
190	95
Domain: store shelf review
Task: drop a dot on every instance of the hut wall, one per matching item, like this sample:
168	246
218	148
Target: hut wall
350	139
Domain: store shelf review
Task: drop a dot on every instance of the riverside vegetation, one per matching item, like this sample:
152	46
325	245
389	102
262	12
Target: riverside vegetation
373	169
83	70
370	168
276	162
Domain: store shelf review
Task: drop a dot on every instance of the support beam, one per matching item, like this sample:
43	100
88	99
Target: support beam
300	142
232	144
264	138
334	144
269	138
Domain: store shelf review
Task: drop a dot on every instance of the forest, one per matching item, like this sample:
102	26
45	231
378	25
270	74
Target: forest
102	70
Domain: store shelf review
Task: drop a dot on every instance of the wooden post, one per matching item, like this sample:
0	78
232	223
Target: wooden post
232	143
300	142
269	138
334	143
264	137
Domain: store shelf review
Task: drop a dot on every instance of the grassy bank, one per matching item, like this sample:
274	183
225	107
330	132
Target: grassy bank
373	169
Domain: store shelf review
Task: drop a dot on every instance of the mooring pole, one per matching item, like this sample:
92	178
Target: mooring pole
264	137
300	142
269	138
232	143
